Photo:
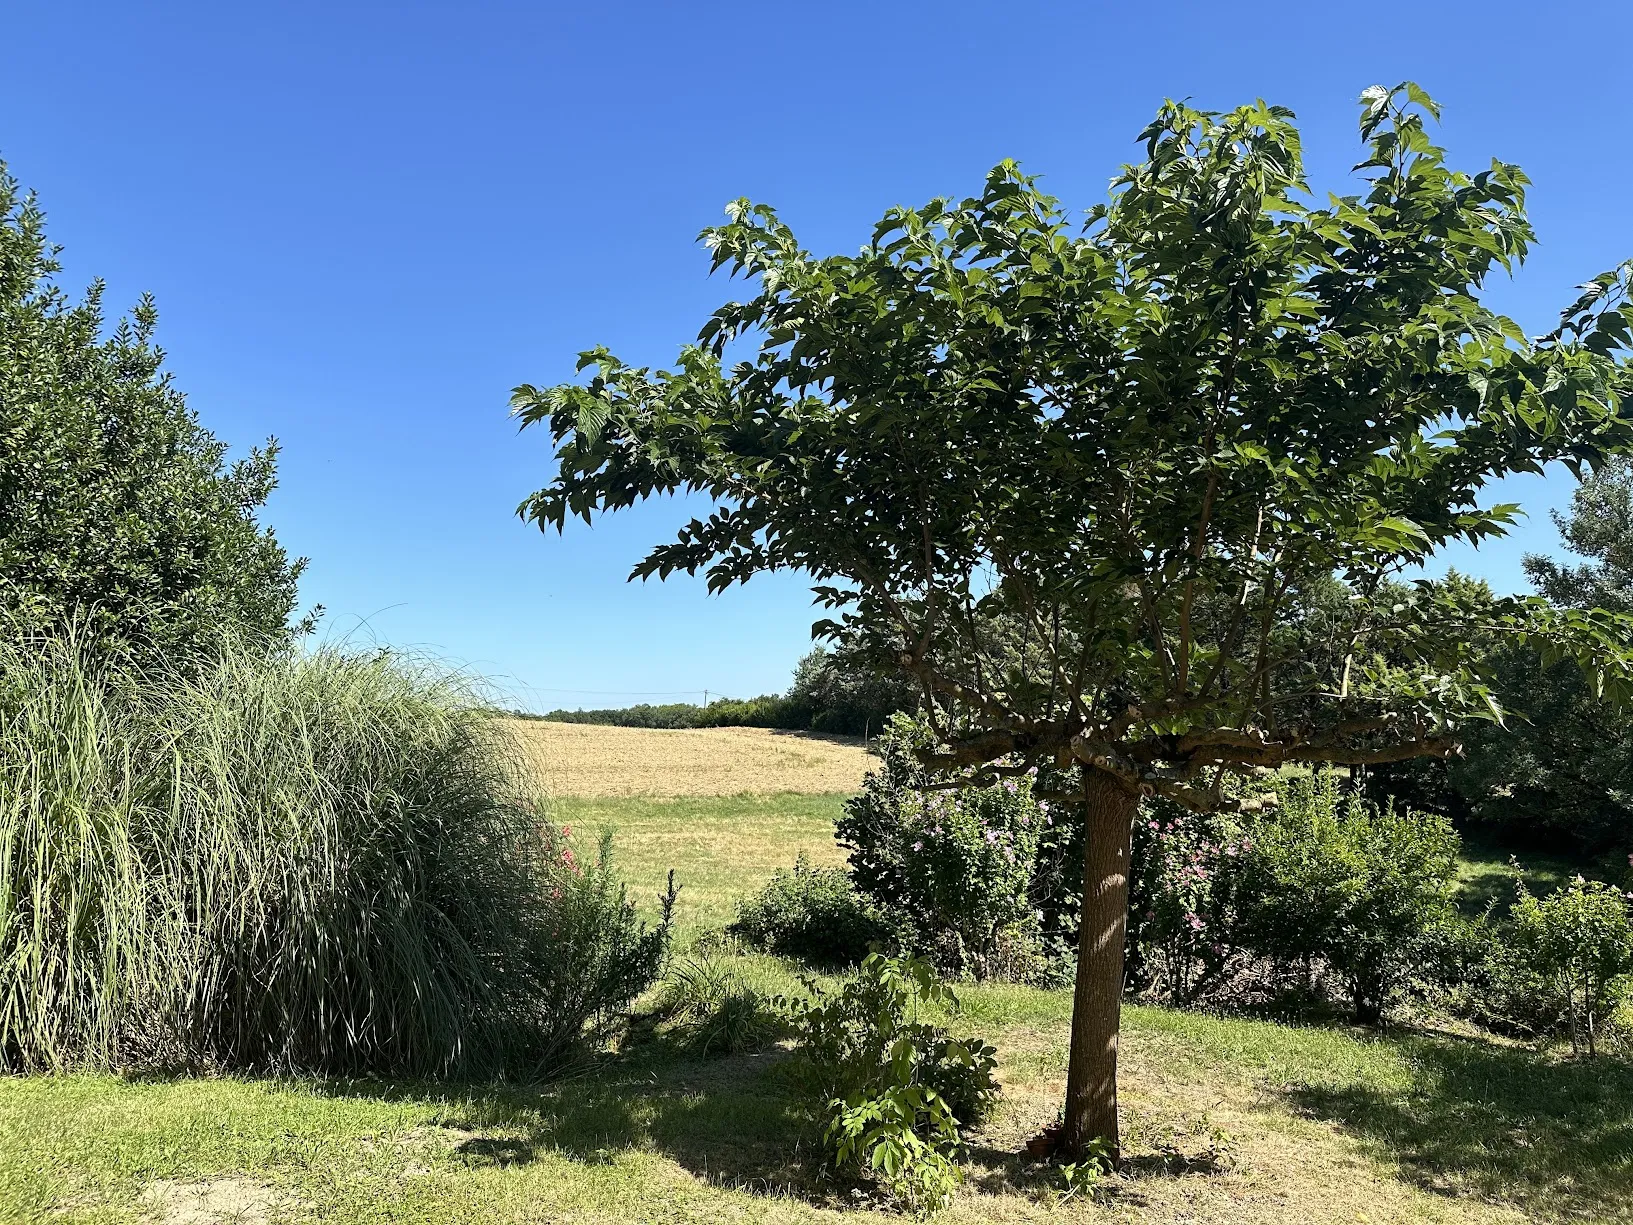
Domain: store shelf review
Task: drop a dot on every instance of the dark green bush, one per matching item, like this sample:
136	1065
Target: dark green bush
1330	876
842	691
813	914
120	514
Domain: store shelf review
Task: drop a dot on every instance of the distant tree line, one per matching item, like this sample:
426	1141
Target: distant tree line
837	691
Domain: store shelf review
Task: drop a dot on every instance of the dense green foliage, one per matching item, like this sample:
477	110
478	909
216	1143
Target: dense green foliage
1559	776
966	879
296	862
119	514
846	691
1325	894
814	914
1321	890
893	1088
1578	942
1331	879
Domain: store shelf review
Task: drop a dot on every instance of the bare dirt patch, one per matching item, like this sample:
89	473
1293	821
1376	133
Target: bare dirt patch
215	1201
594	762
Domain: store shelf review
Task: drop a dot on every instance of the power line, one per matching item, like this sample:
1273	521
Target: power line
626	693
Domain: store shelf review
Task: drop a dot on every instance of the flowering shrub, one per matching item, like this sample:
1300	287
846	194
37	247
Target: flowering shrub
1182	940
953	872
1327	890
595	954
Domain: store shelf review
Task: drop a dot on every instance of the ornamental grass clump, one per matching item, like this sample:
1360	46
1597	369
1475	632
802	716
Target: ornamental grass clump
317	862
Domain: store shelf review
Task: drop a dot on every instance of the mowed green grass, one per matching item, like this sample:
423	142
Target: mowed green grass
1227	1120
721	848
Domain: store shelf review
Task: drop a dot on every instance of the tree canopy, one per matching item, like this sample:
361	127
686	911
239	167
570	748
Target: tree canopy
119	515
1143	438
1132	493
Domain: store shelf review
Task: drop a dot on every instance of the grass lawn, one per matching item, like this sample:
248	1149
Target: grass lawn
1227	1120
721	847
1486	874
1329	1126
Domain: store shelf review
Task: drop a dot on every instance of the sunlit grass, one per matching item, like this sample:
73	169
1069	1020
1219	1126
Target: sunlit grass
722	848
1329	1124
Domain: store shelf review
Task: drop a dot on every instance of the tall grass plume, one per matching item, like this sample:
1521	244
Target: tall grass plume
322	862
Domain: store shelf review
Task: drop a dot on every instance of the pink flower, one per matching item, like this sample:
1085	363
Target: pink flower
1196	923
566	831
992	837
1153	826
918	846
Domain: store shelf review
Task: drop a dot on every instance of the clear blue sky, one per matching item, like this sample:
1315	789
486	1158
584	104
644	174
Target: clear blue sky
364	223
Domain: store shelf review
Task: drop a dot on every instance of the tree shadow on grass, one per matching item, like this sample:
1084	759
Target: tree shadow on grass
733	1121
1553	1137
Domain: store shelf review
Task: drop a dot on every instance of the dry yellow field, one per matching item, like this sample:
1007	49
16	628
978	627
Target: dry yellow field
593	762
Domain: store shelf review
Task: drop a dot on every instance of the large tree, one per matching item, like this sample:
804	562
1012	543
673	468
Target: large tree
120	519
1092	484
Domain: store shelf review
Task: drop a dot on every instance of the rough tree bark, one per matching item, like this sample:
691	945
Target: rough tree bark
1091	1076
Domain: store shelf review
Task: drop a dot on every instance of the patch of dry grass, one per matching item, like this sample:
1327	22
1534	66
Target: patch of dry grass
596	762
218	1201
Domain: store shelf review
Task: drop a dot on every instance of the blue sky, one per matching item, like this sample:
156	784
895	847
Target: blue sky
364	223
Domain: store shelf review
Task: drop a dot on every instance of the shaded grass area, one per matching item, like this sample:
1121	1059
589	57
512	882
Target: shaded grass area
721	847
1325	1125
1486	874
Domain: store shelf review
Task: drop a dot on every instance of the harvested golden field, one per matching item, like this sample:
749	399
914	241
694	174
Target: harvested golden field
594	762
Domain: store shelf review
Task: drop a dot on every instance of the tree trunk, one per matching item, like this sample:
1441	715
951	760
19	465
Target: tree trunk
1091	1075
